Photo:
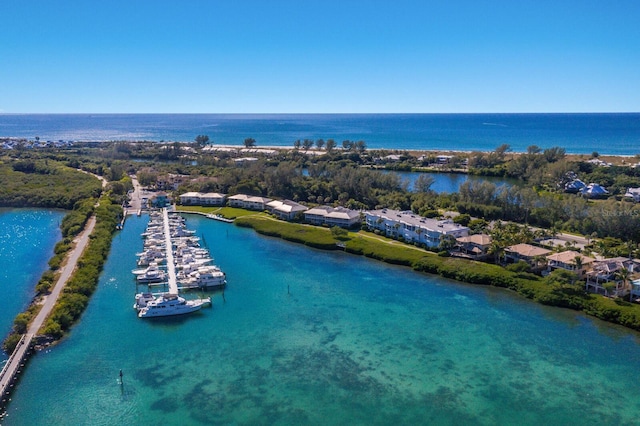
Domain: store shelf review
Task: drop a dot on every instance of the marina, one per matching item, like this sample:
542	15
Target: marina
186	266
399	346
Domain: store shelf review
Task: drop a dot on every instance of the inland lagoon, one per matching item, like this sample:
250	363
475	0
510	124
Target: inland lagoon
450	182
311	337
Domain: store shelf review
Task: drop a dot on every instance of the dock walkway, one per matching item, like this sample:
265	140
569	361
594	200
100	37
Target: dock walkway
171	266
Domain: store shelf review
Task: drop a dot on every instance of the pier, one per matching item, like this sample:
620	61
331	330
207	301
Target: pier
171	266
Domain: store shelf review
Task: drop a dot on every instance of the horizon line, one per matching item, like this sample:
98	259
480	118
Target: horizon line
317	113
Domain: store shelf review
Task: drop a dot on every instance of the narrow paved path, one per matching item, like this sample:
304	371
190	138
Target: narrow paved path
81	242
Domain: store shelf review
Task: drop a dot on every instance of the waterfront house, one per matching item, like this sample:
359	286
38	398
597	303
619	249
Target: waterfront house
249	202
474	246
527	252
568	260
316	215
633	194
202	199
190	198
594	190
444	159
603	278
212	199
574	186
332	216
285	209
412	227
343	217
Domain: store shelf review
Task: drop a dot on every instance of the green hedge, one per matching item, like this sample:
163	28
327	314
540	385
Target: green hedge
311	236
78	290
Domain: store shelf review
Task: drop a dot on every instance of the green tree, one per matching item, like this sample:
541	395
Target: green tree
338	233
554	154
330	145
624	275
447	242
579	262
249	142
496	250
307	144
423	183
202	140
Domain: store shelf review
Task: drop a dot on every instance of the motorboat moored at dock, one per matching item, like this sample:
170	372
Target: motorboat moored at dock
171	304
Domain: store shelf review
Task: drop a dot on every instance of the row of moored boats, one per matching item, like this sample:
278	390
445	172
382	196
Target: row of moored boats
191	267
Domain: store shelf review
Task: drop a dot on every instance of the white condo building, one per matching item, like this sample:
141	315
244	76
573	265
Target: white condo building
413	228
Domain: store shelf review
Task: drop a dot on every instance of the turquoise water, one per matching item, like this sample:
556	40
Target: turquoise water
353	342
27	238
615	133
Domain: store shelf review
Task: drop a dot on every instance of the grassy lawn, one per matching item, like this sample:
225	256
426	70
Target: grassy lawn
227	212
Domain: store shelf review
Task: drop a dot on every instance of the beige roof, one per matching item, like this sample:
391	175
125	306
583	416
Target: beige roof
320	210
286	206
569	257
344	214
241	197
257	199
211	195
479	239
190	194
528	250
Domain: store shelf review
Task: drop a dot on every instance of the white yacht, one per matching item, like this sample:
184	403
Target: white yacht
171	304
151	275
142	299
152	266
205	277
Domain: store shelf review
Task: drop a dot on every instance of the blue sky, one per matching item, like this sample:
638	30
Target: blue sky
319	56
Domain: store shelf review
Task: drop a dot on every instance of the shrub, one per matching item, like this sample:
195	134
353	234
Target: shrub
520	266
10	343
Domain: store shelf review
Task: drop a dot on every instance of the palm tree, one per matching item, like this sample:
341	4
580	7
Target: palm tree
578	262
447	242
624	275
496	250
540	261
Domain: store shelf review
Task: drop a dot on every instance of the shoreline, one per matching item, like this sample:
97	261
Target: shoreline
612	158
313	150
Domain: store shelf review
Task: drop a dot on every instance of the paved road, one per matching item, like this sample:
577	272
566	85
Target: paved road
65	273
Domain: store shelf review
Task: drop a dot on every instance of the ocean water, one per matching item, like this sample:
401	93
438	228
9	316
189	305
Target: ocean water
27	238
615	133
310	337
